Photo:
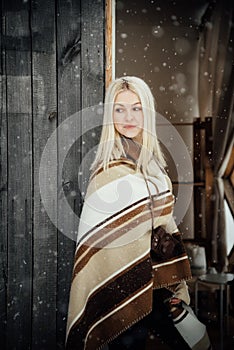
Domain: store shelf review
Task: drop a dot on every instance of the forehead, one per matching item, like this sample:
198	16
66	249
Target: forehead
127	97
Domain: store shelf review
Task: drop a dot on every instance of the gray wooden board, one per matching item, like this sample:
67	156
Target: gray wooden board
92	53
92	79
44	124
18	109
3	193
69	92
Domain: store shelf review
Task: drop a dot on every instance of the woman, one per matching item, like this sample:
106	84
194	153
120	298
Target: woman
124	266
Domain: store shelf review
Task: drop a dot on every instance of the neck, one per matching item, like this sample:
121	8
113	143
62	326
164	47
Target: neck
131	147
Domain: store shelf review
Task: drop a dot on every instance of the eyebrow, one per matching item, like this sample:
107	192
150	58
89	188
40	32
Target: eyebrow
120	104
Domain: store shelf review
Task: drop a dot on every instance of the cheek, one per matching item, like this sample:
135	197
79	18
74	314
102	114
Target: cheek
117	119
117	122
141	121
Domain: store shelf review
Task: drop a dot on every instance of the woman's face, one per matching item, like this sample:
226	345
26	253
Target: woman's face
128	115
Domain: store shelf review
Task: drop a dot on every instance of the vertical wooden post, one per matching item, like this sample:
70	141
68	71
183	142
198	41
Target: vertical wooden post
110	41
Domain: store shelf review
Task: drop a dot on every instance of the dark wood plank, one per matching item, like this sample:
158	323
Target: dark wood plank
80	84
92	79
44	124
19	114
92	54
3	191
69	91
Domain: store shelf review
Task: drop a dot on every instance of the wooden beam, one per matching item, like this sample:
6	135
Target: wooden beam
110	41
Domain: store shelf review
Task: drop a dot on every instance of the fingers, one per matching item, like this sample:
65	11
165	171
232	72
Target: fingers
175	301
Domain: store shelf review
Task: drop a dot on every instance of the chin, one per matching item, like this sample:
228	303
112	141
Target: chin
130	134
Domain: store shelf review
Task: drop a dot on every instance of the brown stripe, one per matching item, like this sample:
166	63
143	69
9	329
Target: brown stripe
122	319
111	295
93	250
170	274
164	200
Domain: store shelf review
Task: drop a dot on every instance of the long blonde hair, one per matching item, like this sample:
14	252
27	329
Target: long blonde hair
110	146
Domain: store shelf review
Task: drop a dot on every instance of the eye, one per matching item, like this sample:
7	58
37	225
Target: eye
119	110
137	109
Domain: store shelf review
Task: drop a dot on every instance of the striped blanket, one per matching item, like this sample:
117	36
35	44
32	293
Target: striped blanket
114	274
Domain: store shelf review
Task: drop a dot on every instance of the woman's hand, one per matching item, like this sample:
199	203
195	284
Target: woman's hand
174	301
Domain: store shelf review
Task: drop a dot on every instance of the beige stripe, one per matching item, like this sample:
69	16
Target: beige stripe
94	275
115	171
114	163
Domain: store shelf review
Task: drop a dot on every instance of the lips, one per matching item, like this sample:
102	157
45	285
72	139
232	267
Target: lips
129	126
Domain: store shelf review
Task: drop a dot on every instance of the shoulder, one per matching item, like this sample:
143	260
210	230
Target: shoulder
111	173
168	180
114	166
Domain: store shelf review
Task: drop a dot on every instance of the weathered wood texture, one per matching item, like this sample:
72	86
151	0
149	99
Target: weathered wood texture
19	179
69	97
51	67
44	237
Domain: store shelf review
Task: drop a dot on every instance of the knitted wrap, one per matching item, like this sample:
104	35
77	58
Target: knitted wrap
114	271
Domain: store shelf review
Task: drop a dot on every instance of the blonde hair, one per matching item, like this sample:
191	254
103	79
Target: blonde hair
110	146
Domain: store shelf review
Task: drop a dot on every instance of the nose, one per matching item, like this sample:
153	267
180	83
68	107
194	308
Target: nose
128	115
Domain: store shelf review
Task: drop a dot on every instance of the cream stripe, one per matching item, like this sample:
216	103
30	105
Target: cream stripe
106	201
146	226
171	262
118	217
119	308
112	220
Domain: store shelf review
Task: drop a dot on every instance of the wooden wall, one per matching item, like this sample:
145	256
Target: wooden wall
51	66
